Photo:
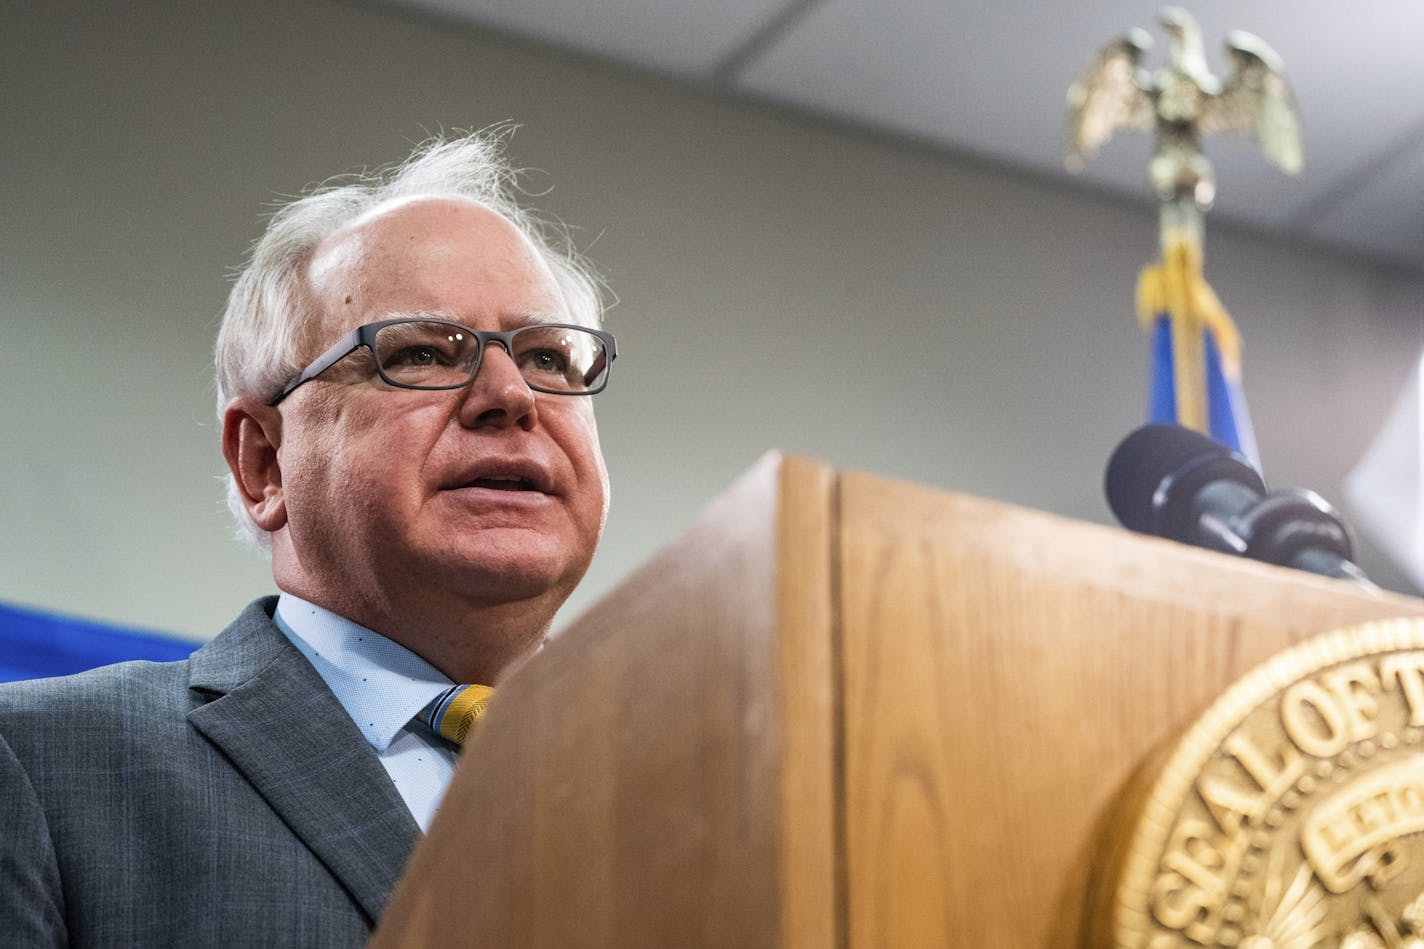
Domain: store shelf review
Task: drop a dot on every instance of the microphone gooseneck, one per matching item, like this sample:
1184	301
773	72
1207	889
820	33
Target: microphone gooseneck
1172	482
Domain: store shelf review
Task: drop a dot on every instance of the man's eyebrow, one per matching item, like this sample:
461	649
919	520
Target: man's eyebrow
534	317
419	315
517	317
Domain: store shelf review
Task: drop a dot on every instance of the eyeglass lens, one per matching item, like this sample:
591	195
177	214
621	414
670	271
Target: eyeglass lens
436	355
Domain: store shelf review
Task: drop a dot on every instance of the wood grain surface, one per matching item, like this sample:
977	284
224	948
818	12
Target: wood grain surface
1004	672
842	712
629	785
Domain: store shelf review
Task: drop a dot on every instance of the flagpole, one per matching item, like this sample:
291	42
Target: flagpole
1195	345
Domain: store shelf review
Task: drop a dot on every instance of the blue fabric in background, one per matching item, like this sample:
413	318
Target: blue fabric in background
35	644
1227	414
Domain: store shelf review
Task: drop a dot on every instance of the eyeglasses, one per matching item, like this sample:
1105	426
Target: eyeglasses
436	354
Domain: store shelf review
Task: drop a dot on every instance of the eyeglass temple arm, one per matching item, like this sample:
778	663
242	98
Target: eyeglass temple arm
325	361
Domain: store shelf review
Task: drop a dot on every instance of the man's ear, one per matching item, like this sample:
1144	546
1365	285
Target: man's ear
251	435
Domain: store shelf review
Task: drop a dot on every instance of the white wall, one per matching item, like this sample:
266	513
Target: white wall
783	284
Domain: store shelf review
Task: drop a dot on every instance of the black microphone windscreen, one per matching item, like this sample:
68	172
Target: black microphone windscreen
1172	460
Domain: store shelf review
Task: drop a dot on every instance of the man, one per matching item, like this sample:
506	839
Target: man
403	372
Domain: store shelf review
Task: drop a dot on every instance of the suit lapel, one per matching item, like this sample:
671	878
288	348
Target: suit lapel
282	728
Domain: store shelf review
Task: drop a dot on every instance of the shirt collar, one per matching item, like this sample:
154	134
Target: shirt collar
381	684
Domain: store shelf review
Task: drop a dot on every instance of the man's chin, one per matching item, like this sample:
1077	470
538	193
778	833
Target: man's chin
518	576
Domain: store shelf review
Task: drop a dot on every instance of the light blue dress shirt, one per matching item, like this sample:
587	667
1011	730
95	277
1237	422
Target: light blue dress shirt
383	686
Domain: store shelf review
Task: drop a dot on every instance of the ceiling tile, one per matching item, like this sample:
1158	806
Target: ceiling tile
993	83
991	80
1384	215
685	39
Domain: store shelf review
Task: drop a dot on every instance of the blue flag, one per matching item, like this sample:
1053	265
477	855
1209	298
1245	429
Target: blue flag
1196	352
35	644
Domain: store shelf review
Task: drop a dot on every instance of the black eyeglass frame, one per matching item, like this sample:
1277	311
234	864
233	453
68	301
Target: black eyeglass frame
365	335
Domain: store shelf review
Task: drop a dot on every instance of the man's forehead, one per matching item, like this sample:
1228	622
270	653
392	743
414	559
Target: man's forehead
405	219
425	206
427	256
402	239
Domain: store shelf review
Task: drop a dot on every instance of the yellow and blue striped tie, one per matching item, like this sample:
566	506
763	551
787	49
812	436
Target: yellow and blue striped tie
453	713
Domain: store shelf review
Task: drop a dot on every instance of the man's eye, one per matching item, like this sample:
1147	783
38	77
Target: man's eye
414	356
546	360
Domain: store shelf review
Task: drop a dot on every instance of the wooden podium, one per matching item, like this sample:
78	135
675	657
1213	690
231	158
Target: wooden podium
842	712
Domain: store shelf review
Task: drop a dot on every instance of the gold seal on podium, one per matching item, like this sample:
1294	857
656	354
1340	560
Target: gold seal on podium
1289	816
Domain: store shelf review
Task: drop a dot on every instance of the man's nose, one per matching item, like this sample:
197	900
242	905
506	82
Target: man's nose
498	395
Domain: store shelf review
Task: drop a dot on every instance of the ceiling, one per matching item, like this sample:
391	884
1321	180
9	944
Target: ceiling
990	81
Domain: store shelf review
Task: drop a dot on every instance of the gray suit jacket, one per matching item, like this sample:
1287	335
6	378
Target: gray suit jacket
227	800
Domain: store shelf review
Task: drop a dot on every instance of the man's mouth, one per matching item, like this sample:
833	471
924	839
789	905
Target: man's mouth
516	475
502	483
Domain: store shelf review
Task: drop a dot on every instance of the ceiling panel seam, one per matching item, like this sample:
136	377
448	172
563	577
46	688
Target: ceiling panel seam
773	31
1356	180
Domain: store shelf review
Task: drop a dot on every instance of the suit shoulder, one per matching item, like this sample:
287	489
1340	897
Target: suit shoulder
123	687
137	688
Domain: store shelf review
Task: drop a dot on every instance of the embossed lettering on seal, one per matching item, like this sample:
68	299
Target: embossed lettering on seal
1291	814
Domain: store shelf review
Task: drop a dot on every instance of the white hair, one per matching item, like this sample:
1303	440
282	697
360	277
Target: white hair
269	314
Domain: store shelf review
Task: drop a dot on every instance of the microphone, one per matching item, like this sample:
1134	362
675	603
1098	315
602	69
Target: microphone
1173	482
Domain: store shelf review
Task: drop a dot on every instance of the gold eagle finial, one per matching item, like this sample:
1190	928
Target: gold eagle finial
1181	104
